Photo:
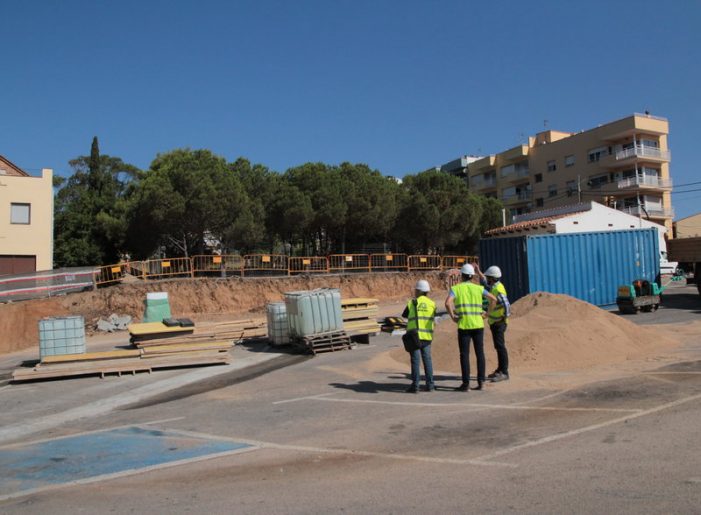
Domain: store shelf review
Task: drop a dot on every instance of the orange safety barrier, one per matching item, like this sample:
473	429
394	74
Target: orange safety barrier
342	263
264	264
388	262
310	264
109	274
449	262
169	267
225	264
135	268
424	262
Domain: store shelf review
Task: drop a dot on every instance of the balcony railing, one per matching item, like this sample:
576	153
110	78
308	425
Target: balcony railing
479	182
645	180
651	211
518	197
515	173
643	151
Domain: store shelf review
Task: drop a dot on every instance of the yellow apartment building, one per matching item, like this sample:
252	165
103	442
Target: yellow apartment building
623	164
26	220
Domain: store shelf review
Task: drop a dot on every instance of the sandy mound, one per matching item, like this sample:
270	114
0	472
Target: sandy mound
553	332
199	299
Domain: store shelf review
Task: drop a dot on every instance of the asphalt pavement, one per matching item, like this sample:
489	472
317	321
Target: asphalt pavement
336	433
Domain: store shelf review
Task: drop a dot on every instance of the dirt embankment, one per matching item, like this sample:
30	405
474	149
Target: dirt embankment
553	332
195	298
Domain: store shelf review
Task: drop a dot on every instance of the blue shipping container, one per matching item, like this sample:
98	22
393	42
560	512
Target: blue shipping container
589	265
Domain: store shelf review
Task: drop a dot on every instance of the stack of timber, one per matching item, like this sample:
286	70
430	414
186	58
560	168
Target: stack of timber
324	342
156	346
360	318
157	333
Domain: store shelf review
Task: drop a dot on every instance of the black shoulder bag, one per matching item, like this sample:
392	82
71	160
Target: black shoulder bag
411	337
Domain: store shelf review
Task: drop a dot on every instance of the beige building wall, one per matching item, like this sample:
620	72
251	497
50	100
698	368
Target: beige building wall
623	164
689	227
36	237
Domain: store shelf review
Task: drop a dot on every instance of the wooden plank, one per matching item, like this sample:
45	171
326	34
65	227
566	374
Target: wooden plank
358	300
145	329
184	347
91	356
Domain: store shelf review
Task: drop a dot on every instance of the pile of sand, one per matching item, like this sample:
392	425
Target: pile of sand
550	332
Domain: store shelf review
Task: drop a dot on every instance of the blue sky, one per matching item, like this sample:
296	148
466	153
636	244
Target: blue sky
399	85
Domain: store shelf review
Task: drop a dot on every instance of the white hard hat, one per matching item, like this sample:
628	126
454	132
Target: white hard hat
422	285
493	271
467	269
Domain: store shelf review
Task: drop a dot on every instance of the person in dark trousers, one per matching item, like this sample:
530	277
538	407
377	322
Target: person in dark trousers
498	319
420	313
464	305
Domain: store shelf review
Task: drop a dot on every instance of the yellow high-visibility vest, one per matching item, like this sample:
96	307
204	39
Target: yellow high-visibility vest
468	305
499	311
422	317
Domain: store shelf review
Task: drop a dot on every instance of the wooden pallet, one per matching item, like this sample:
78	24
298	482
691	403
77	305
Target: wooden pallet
324	342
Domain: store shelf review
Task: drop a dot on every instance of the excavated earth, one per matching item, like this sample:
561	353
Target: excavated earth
200	299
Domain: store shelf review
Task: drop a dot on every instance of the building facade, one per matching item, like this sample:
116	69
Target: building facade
689	227
622	164
26	220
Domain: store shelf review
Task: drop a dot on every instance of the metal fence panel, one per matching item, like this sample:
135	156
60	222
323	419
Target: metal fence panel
310	264
172	267
424	262
110	274
448	262
223	265
265	264
344	263
388	262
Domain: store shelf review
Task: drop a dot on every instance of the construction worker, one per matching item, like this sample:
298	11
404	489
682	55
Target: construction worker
498	320
420	313
464	305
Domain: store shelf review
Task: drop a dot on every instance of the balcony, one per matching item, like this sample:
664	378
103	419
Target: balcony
521	196
645	182
481	182
643	151
512	173
651	211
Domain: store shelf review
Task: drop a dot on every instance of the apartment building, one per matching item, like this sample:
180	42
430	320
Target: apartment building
623	164
26	220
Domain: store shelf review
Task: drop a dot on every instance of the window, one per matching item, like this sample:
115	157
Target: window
569	160
571	187
507	170
539	202
595	154
651	143
20	213
552	190
596	181
538	177
552	166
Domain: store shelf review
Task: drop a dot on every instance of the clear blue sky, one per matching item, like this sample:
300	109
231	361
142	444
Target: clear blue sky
399	85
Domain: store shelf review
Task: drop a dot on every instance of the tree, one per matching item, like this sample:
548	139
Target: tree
187	197
438	213
89	221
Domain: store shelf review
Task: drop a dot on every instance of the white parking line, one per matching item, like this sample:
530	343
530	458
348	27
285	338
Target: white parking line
296	399
348	452
586	429
477	405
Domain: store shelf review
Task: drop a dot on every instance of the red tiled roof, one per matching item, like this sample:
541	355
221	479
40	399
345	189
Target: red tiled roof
527	225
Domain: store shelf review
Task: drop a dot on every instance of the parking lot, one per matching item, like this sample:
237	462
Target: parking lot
337	433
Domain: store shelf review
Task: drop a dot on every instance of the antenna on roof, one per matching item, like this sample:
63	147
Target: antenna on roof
545	123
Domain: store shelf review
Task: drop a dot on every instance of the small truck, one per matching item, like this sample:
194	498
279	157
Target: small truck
687	251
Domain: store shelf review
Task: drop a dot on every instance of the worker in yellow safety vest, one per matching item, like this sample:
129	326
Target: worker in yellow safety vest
498	320
420	313
464	305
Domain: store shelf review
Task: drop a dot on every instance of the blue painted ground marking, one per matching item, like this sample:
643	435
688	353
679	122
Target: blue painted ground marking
64	460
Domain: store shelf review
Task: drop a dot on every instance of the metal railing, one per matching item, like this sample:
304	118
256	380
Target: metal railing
388	263
265	264
643	151
110	274
221	265
645	180
344	263
430	262
652	211
449	262
169	267
308	265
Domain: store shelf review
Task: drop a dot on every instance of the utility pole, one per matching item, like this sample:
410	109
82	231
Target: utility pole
579	188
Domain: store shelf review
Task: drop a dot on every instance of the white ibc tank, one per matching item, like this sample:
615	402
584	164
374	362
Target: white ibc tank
278	331
312	312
